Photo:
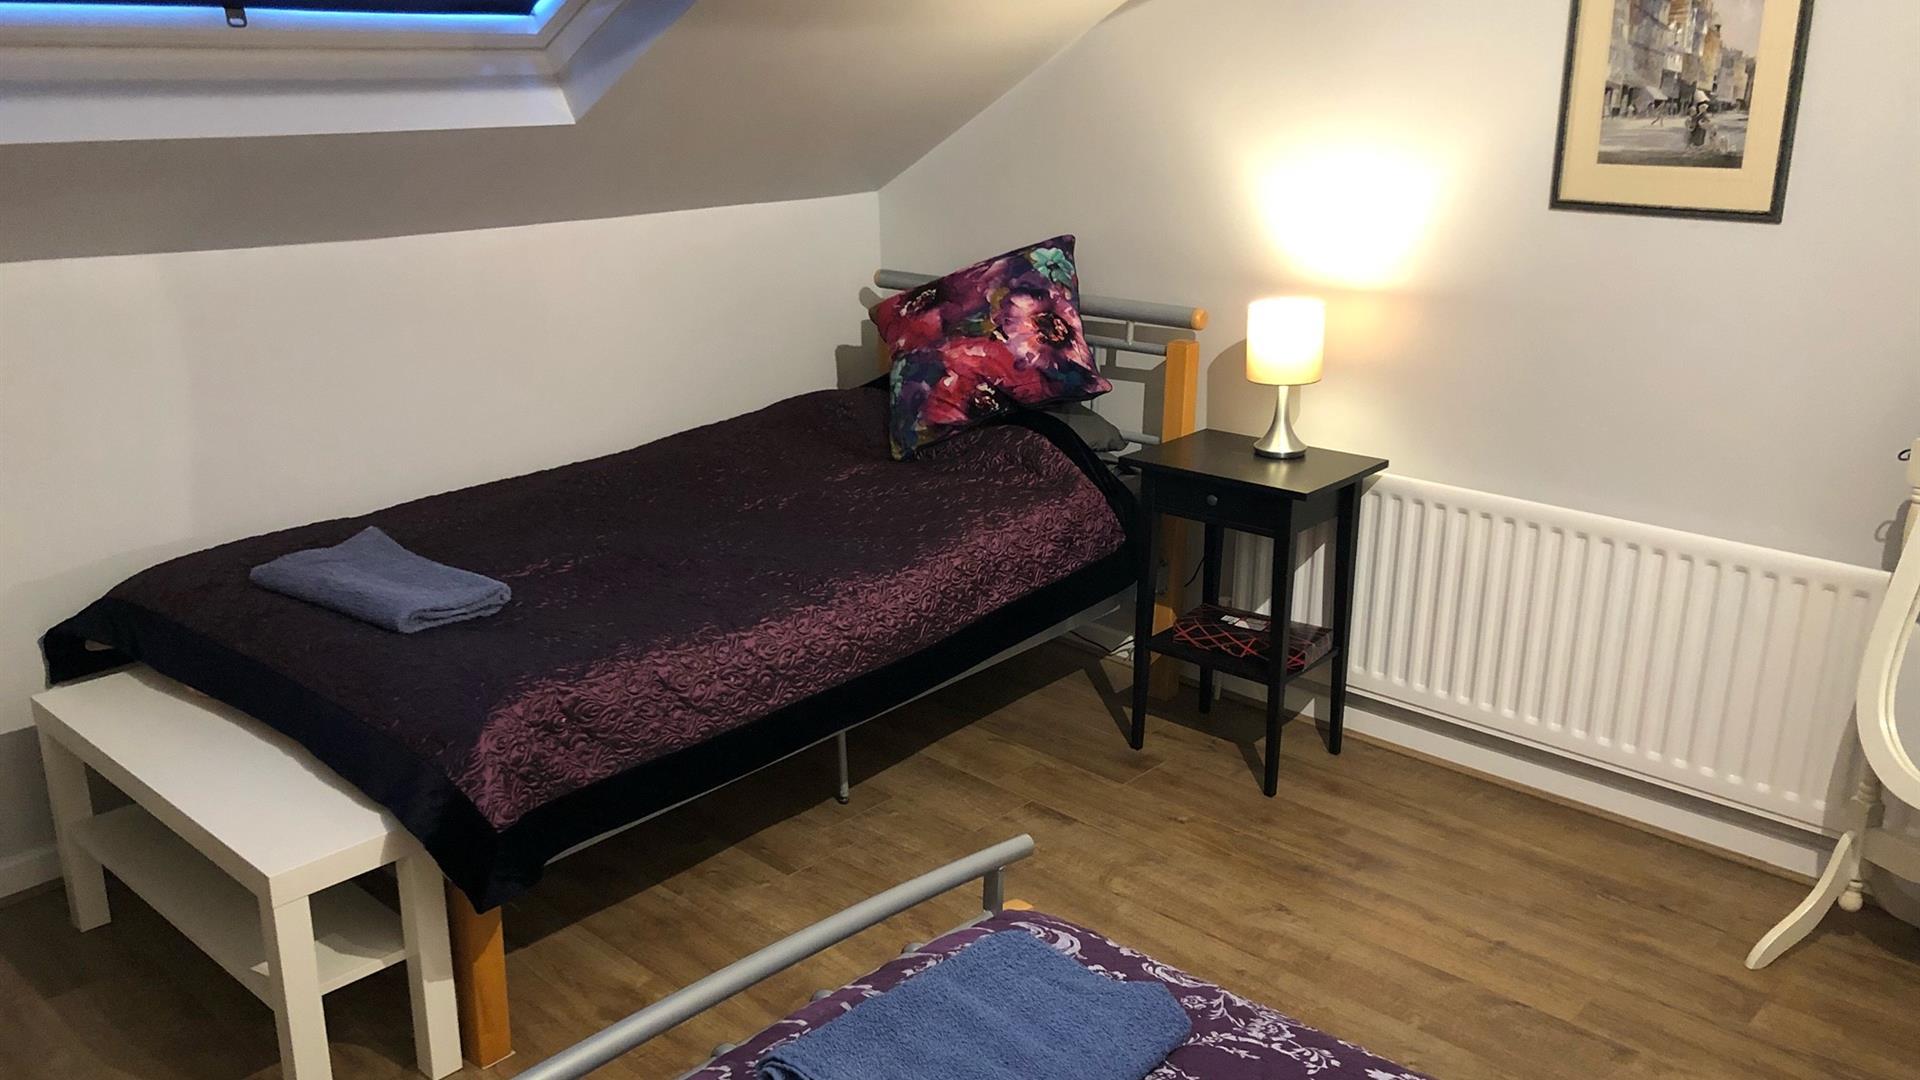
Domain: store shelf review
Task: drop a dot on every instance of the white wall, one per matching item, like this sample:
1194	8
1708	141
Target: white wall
152	405
1739	380
1746	381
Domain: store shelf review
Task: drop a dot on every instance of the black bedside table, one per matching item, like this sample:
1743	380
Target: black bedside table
1214	477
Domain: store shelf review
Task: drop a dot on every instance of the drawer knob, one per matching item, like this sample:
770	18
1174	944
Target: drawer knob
1213	500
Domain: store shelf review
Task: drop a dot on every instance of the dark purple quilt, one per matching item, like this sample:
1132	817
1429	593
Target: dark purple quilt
697	603
1233	1038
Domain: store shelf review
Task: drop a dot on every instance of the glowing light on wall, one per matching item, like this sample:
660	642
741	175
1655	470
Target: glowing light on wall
1353	215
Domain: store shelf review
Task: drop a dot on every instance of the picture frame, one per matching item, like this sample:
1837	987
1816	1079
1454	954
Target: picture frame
1680	108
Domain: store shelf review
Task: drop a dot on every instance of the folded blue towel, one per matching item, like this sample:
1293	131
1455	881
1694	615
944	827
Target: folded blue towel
1007	1007
375	580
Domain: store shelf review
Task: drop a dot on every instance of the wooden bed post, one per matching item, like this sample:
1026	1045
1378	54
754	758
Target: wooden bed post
1177	418
479	980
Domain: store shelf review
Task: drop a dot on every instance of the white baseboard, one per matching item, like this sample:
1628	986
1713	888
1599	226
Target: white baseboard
23	871
1698	821
1695	820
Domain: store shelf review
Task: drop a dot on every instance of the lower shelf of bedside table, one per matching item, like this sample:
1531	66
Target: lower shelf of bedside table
1204	636
355	935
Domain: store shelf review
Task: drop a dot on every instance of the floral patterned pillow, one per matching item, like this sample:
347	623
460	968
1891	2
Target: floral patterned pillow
999	335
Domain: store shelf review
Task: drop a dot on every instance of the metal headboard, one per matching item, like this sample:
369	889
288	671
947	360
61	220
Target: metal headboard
1181	353
1131	313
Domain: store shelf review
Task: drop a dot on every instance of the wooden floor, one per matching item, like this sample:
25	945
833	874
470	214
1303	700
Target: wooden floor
1464	929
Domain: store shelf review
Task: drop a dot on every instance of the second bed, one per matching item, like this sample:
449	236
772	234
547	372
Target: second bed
1231	1037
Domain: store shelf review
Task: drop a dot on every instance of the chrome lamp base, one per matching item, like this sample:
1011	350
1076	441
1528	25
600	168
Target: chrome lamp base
1280	440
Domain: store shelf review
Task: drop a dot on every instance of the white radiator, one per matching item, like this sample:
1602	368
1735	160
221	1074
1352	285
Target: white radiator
1719	668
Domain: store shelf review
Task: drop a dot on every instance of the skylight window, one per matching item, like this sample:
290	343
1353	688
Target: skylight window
365	7
211	19
97	70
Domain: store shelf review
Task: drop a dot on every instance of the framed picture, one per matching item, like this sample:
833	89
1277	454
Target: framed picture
1680	107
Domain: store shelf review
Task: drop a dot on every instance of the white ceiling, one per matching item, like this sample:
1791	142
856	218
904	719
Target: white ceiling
739	101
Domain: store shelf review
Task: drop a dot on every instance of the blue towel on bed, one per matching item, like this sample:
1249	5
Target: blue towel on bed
375	580
1007	1007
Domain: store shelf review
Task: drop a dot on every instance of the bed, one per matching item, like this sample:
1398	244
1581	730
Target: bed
685	613
1232	1038
803	579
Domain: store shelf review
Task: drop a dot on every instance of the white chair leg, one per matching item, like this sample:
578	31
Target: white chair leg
1843	870
423	921
72	805
1854	896
293	989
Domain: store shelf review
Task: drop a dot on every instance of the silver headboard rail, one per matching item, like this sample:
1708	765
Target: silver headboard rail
1107	308
987	866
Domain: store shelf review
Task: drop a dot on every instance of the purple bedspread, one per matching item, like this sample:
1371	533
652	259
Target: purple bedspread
662	597
1233	1038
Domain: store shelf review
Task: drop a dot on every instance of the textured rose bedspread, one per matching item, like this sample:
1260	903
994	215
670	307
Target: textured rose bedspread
682	613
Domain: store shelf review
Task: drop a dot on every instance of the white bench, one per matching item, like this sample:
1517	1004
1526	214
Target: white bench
244	842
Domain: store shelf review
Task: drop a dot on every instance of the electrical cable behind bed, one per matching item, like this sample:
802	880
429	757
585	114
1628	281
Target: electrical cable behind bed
987	866
1179	407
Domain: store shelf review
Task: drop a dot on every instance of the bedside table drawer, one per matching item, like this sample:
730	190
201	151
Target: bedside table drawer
1232	507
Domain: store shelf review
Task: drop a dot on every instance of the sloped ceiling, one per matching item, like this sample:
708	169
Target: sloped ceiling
741	101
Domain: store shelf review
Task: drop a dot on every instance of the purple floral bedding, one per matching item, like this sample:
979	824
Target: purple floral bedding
1233	1038
682	613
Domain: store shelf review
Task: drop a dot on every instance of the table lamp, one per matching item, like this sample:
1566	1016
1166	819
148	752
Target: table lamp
1286	336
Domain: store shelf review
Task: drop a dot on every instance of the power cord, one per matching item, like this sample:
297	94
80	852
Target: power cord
1103	650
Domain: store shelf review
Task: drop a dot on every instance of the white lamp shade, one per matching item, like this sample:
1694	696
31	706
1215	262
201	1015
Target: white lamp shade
1286	340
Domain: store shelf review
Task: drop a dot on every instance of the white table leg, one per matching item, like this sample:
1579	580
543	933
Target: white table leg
1841	872
72	804
293	989
423	921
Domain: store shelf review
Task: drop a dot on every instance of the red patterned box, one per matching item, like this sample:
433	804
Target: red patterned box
1237	633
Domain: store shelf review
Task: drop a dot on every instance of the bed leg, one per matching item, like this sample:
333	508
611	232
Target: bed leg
845	794
479	980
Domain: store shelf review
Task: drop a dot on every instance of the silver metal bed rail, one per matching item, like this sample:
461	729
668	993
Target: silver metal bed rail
1109	308
988	867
